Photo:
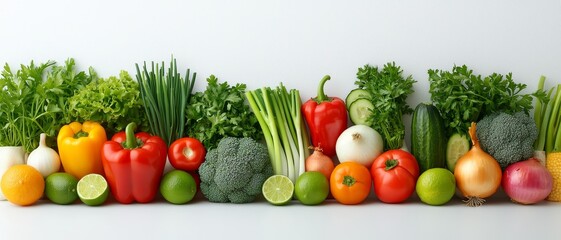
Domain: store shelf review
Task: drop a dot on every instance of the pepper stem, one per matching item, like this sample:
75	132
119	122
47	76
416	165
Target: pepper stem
130	140
390	164
321	97
80	134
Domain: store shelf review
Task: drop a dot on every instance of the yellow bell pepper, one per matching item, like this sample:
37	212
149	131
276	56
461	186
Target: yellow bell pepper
79	147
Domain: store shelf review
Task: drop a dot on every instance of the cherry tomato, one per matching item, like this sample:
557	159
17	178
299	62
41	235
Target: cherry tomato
186	154
395	174
350	183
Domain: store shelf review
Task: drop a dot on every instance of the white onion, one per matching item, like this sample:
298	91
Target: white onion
360	144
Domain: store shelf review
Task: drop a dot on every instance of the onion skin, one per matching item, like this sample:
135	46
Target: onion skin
478	175
527	182
320	162
359	143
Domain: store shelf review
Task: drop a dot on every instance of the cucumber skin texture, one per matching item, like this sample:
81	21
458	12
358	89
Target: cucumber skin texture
428	137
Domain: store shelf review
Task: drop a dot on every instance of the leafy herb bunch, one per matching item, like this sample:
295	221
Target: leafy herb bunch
389	91
114	102
34	100
220	111
463	97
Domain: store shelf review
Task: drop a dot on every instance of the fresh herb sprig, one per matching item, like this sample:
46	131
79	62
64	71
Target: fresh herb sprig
463	97
34	100
220	111
165	96
389	91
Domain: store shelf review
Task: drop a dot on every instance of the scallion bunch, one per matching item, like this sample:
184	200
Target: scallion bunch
165	96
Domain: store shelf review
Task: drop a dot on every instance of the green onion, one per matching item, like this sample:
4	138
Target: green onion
280	118
547	114
553	143
165	96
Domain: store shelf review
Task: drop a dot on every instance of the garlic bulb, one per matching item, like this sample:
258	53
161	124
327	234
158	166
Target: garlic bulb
44	158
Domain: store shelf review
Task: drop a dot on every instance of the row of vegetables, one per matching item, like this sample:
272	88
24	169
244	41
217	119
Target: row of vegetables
232	139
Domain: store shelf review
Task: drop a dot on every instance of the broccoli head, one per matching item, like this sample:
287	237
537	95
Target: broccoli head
509	138
235	170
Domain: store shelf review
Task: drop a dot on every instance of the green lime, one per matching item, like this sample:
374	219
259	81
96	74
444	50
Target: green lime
93	189
178	187
436	186
457	146
60	188
278	189
311	188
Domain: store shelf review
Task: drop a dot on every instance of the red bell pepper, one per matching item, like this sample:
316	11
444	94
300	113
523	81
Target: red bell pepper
134	164
326	118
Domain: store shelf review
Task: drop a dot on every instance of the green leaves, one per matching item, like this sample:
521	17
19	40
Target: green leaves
220	111
113	102
463	97
165	96
34	100
389	91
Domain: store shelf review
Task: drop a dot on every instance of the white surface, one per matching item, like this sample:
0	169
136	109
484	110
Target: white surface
497	219
297	42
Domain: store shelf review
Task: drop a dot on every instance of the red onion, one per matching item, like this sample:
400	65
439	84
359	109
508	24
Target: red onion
527	181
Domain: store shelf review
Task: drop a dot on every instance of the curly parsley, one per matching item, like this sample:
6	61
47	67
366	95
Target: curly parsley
389	91
220	111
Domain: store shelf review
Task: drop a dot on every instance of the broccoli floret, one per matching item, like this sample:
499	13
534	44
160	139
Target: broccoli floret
509	138
235	170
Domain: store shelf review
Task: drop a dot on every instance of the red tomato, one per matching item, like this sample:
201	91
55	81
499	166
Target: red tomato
186	154
394	174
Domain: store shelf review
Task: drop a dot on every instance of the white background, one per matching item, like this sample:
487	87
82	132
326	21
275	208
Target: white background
263	43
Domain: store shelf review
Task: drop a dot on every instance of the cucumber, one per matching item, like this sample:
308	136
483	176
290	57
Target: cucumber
360	110
458	145
355	95
428	137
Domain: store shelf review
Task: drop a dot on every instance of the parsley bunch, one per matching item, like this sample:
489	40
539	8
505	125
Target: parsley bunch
463	97
220	111
34	100
389	91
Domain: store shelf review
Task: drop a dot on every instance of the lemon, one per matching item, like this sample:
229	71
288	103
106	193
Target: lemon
311	188
436	186
178	187
60	188
278	189
92	189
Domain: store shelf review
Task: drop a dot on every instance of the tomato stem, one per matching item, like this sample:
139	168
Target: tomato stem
349	181
391	163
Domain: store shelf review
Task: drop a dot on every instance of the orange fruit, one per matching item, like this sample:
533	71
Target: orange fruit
22	185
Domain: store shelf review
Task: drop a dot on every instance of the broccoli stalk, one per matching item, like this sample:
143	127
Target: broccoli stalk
235	170
509	138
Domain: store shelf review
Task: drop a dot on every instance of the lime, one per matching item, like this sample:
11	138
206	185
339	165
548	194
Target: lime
60	188
311	188
178	187
436	186
457	146
92	189
278	189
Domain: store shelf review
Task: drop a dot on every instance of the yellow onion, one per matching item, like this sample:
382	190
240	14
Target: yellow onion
478	174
